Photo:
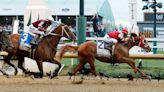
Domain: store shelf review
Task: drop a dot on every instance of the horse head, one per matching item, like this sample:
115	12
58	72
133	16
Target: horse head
140	41
63	30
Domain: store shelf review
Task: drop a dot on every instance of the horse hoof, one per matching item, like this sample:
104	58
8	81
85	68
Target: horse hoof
70	74
37	75
32	77
27	74
7	76
149	78
16	72
53	76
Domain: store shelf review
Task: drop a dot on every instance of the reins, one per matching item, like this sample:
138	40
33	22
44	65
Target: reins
62	34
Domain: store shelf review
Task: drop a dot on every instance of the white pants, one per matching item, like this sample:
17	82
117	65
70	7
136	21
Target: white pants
109	40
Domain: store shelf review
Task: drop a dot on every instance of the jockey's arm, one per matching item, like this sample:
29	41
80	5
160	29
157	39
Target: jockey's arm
40	26
122	38
107	39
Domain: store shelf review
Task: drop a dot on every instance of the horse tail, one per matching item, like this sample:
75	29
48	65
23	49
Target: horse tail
64	49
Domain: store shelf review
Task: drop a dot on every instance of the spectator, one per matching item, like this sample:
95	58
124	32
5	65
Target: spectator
96	24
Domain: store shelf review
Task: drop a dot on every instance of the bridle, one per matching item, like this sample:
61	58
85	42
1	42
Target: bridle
62	34
141	42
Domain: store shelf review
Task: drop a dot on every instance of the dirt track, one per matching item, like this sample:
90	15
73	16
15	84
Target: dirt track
21	84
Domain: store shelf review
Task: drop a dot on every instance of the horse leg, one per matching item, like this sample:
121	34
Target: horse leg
132	64
92	65
4	73
56	71
20	64
7	60
40	66
78	67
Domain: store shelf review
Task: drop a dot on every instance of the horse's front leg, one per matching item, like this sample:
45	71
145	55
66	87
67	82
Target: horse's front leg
132	64
20	64
56	71
40	66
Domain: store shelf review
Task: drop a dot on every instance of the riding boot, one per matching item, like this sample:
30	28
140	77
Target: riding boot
108	46
110	50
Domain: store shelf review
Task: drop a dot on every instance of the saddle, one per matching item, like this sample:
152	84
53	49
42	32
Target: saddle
104	49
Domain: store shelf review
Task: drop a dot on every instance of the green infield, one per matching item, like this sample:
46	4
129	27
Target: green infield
150	67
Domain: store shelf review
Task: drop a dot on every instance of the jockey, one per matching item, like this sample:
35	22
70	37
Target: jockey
38	28
111	38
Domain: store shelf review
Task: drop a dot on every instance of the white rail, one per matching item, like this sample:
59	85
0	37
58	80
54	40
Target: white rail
101	38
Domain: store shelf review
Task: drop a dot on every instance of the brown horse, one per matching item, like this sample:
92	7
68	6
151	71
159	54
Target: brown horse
45	51
87	52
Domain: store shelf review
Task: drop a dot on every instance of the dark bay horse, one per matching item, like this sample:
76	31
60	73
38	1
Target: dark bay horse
87	52
45	51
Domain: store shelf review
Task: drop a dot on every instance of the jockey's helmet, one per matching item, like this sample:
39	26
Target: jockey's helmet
125	30
50	18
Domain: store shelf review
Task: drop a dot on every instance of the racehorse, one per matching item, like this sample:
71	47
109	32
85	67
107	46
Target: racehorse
45	51
87	52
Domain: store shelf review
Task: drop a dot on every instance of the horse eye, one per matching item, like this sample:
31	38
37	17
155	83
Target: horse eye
143	41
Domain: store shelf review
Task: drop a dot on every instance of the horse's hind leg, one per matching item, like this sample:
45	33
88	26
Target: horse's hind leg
7	60
4	73
92	65
78	67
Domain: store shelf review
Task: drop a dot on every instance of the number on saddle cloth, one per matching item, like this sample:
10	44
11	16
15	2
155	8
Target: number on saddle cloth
101	51
25	40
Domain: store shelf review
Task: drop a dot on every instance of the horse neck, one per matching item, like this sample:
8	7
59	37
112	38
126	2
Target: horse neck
53	41
130	44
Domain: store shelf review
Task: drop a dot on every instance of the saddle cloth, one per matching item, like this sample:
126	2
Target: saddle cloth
101	51
24	42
